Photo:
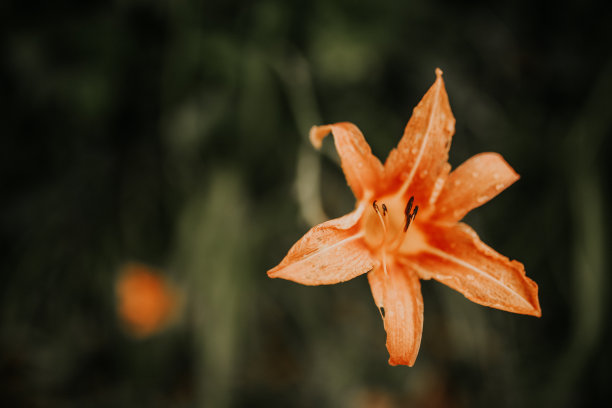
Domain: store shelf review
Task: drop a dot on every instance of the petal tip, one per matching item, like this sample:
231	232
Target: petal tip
272	273
537	311
439	73
400	361
504	162
317	134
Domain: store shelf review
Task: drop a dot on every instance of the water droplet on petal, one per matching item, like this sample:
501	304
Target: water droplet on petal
499	186
474	174
481	199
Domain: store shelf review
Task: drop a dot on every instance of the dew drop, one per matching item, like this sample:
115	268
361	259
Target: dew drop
499	186
481	199
474	174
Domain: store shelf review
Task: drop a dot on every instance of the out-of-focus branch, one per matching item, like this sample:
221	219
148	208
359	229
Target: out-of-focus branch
589	249
295	74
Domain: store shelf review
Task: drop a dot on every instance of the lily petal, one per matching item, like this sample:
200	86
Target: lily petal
376	278
472	184
403	313
456	257
422	152
329	253
363	170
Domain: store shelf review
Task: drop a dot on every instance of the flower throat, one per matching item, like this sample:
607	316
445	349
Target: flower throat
393	233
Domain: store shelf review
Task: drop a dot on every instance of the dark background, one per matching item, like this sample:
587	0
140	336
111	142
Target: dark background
174	133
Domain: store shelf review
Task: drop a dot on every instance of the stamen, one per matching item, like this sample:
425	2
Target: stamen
384	259
414	213
384	227
380	218
409	216
409	206
375	207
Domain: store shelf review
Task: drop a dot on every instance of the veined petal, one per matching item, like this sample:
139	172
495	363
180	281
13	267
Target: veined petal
362	169
439	184
329	253
456	257
403	313
472	184
420	156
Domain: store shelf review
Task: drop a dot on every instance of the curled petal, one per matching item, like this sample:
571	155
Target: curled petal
472	184
329	253
362	169
421	154
403	310
456	257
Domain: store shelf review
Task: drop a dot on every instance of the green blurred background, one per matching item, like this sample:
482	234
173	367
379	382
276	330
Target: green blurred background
174	133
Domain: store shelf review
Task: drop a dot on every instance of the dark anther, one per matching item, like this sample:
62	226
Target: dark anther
410	216
409	206
375	207
384	209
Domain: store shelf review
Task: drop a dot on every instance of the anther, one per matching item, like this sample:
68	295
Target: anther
384	207
408	214
375	207
414	213
409	206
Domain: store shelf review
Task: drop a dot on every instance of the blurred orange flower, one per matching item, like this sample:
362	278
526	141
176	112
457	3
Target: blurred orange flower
384	237
146	301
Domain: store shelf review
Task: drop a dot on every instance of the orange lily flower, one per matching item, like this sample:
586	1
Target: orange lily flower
385	238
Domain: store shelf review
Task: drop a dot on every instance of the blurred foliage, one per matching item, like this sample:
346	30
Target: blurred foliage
174	133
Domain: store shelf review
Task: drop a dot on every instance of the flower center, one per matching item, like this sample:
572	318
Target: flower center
390	228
